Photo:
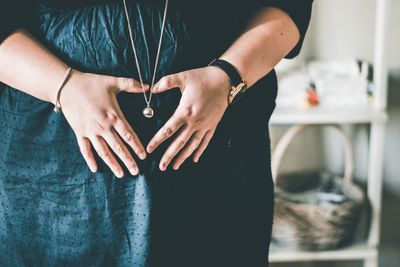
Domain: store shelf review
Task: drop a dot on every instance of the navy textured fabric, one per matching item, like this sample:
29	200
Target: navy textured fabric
55	212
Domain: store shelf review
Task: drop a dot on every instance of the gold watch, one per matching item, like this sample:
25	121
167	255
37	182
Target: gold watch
238	84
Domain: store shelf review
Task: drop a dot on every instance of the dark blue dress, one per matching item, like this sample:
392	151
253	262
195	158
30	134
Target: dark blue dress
55	212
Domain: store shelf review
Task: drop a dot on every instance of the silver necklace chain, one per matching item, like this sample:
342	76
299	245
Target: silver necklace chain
148	100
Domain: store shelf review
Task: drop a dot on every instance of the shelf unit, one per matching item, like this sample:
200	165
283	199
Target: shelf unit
324	115
373	114
353	252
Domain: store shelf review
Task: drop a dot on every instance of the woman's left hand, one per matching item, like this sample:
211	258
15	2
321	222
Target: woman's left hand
201	107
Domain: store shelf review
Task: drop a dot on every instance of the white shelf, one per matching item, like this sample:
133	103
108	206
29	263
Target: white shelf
352	252
375	115
326	115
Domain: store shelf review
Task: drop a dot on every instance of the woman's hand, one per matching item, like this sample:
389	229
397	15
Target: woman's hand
202	105
90	106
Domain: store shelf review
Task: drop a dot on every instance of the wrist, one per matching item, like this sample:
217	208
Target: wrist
222	80
237	84
59	98
55	83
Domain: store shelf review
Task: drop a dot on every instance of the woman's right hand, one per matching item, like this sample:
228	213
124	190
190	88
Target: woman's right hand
90	106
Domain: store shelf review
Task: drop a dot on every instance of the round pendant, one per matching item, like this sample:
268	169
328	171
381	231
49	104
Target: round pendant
148	112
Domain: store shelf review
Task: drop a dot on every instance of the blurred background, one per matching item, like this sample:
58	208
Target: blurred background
342	32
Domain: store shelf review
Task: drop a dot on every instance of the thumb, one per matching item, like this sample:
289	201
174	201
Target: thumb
130	85
167	82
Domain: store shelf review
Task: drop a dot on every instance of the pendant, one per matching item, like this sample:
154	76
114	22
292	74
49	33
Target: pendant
148	112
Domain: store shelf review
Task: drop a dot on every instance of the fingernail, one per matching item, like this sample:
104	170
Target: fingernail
92	169
120	174
149	149
176	167
134	171
196	160
142	155
162	167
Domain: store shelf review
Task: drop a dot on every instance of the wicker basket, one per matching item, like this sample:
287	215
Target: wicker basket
315	211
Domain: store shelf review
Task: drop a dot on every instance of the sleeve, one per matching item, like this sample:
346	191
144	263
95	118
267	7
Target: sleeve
14	14
299	11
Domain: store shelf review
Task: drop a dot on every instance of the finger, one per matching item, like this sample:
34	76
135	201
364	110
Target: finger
119	148
130	85
126	132
104	153
190	147
203	145
86	151
175	147
167	82
169	128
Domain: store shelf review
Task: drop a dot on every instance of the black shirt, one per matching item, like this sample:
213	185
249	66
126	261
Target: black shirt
16	14
91	36
214	213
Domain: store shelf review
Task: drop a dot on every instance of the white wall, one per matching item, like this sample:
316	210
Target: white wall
344	29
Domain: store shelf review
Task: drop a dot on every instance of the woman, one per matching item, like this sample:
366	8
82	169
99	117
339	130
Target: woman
99	184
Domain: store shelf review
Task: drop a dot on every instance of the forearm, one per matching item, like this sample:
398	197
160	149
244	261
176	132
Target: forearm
28	66
269	37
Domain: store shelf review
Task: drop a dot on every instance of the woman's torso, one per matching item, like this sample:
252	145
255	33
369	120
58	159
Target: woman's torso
43	172
93	36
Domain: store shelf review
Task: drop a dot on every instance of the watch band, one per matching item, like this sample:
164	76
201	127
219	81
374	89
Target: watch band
238	85
229	69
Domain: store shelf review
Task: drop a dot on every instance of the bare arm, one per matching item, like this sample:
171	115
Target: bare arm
88	100
28	66
269	37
